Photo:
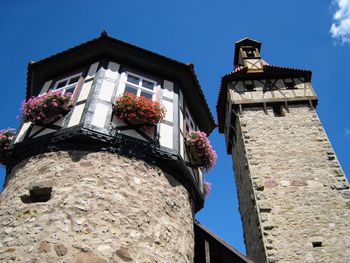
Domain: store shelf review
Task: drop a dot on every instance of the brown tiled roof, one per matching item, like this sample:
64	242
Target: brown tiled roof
241	73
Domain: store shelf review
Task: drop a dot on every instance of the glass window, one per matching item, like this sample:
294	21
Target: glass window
189	123
133	79
129	89
146	94
147	84
67	85
140	86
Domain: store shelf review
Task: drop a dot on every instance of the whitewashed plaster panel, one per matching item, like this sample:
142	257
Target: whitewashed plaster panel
100	115
76	115
22	132
106	91
166	135
85	90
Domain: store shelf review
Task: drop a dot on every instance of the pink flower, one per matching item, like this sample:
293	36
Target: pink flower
207	189
201	149
45	107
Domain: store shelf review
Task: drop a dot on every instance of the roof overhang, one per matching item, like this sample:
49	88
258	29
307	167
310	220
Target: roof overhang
241	73
109	48
217	248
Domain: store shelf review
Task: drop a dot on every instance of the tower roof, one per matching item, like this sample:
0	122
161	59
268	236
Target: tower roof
241	73
245	42
106	47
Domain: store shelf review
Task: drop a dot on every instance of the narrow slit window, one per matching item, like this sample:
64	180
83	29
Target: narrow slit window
278	111
249	87
269	85
317	244
290	85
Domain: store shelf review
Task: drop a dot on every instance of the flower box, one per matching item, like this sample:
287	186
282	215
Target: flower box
6	137
201	151
138	110
46	108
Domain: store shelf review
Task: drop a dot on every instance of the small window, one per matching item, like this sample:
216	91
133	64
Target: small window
249	52
249	87
289	84
269	85
278	111
316	244
140	86
67	85
189	123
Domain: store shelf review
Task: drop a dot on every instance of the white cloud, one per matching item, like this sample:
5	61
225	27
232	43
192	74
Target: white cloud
340	28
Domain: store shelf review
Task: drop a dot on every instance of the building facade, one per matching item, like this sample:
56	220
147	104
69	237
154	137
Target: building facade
294	197
89	187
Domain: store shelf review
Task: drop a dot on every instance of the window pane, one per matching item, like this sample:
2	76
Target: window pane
147	84
133	79
146	94
70	90
192	125
290	85
61	84
74	80
129	89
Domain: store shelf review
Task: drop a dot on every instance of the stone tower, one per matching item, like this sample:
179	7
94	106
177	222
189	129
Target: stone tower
294	198
88	187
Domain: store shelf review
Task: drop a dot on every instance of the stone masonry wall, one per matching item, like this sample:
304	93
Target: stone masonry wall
103	208
247	207
302	196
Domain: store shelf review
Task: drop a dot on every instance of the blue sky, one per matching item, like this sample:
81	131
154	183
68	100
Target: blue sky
308	34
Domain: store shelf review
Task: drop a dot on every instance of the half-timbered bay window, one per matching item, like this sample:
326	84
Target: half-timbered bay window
139	85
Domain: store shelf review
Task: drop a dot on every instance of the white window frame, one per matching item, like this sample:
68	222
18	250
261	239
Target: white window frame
124	82
189	122
69	86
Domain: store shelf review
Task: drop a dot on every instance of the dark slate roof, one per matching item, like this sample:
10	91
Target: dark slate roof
219	250
241	73
105	47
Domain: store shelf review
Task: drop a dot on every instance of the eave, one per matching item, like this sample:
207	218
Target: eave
109	48
241	73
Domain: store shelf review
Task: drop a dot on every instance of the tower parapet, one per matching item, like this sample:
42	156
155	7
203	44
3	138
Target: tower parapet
293	194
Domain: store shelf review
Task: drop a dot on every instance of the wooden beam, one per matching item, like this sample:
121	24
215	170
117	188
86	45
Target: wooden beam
207	251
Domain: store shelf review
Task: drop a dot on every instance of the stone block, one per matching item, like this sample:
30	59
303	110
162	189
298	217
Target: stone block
60	250
89	257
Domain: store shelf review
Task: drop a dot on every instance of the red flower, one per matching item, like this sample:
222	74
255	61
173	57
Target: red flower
131	107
